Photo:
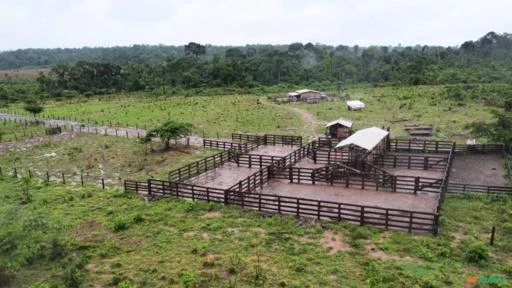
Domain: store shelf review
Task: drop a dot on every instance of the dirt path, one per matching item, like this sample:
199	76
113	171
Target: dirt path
126	132
311	124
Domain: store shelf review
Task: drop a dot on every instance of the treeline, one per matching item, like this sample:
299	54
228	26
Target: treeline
146	68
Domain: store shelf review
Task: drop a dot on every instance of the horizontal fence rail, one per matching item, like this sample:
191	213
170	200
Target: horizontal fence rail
411	221
418	162
480	189
480	148
226	145
267	139
419	146
199	167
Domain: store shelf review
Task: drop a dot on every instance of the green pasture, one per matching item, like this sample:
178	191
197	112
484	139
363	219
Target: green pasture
110	157
397	106
57	236
10	131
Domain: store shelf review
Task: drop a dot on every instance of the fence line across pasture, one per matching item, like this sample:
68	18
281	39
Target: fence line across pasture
83	179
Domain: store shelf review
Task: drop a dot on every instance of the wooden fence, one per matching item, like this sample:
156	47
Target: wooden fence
227	145
419	146
267	139
480	148
199	167
411	221
412	161
83	179
480	189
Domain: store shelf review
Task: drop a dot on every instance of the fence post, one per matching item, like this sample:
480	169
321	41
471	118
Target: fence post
493	231
259	202
226	201
387	219
410	222
63	178
297	208
47	176
15	172
149	187
279	204
82	180
435	228
339	212
103	183
425	163
361	216
416	185
362	181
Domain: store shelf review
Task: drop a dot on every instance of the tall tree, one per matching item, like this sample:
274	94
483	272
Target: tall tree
170	130
195	49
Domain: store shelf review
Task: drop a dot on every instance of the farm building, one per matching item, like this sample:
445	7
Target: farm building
305	95
355	105
339	129
365	146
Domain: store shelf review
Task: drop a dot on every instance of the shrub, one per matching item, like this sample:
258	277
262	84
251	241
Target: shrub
188	279
477	253
120	225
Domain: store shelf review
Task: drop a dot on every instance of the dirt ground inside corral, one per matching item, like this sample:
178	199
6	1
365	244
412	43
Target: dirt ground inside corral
421	203
308	163
223	177
415	173
277	150
478	169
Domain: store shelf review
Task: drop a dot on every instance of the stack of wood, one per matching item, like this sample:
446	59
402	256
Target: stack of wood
418	130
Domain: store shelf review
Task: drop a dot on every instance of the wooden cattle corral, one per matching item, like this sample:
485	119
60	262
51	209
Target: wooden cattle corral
336	176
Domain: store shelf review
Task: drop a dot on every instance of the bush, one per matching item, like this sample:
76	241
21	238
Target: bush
188	278
477	253
120	225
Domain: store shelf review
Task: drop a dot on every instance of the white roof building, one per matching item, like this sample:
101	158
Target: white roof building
367	138
355	105
341	121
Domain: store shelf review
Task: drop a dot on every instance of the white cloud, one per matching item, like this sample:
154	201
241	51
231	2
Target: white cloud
59	23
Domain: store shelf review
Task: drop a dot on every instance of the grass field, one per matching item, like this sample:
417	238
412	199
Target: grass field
396	106
113	157
212	115
11	131
62	237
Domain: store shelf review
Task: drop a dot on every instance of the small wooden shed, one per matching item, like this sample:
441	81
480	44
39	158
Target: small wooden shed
305	95
339	129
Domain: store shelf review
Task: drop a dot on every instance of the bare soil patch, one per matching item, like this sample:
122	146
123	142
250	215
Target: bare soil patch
334	243
308	163
213	214
484	169
271	150
377	253
223	177
382	199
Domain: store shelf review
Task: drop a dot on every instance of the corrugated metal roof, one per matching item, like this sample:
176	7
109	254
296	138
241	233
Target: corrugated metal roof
355	104
341	121
305	91
293	94
367	138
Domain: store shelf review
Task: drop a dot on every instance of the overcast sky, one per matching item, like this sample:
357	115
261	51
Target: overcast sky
78	23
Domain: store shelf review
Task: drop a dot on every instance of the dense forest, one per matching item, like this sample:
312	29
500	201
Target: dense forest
146	68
